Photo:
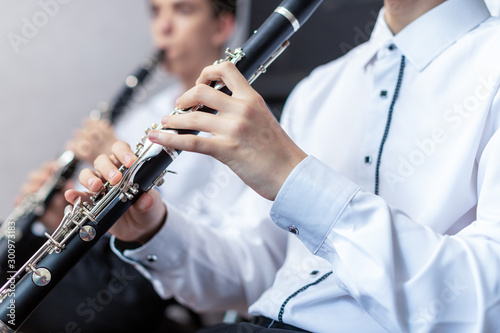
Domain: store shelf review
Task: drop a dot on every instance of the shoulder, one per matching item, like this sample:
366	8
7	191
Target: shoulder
311	91
326	76
484	37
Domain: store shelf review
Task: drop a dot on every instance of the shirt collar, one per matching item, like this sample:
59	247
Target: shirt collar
432	33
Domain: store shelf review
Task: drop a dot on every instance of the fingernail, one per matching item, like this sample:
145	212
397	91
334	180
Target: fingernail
111	174
91	182
177	102
129	158
153	136
164	119
70	197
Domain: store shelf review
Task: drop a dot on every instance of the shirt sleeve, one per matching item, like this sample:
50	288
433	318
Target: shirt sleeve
405	275
213	268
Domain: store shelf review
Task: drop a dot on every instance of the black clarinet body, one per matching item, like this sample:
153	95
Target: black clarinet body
18	223
132	83
15	230
86	223
32	288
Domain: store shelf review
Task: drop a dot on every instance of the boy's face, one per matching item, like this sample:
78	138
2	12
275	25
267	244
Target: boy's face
187	30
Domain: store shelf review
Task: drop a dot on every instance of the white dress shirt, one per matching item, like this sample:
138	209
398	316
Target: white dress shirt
421	256
493	6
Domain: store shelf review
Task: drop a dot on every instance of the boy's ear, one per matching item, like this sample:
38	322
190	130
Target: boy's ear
224	30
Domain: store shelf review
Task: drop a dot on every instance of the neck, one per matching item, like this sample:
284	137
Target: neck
400	13
188	79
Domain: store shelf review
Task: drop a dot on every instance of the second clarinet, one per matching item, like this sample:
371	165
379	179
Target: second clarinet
17	225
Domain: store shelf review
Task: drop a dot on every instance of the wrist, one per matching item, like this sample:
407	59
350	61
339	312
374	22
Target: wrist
294	159
147	235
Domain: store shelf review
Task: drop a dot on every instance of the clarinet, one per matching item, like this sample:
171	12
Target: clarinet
19	222
85	223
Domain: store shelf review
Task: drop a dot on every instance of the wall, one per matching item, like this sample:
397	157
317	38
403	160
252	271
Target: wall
58	59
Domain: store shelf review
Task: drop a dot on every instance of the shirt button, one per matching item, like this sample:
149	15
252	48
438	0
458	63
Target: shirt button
383	94
151	258
391	47
368	160
293	230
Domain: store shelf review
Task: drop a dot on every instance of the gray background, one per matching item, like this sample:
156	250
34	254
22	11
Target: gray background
79	56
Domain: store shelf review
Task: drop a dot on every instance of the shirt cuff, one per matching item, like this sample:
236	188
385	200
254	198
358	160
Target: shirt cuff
154	255
311	200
